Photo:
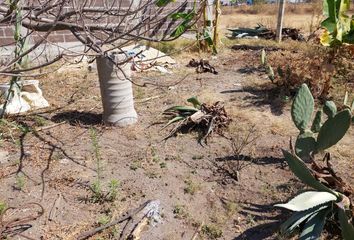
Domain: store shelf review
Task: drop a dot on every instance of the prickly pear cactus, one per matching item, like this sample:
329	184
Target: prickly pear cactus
329	133
305	144
333	130
330	109
316	124
302	108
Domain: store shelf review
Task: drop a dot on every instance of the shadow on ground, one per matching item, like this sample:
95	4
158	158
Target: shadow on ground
259	97
261	213
229	168
78	118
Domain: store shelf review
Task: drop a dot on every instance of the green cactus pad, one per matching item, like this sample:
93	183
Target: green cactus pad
305	144
270	73
333	130
330	109
316	124
302	108
263	57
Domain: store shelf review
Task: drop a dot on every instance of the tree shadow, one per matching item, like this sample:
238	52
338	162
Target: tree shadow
258	161
53	148
78	118
262	96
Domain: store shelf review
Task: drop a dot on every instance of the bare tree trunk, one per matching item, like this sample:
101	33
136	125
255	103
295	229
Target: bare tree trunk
116	91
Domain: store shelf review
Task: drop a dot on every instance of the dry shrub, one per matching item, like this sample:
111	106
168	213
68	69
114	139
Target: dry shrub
293	69
344	62
319	68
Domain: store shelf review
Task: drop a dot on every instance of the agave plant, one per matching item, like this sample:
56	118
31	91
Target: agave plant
179	113
202	117
313	208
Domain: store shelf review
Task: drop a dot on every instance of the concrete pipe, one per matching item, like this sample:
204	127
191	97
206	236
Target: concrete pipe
116	91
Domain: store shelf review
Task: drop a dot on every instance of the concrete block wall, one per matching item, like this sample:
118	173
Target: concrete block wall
7	32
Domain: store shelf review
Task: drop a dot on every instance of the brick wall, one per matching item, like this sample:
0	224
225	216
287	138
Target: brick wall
6	32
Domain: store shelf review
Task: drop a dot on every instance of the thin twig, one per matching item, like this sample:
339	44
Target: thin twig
128	216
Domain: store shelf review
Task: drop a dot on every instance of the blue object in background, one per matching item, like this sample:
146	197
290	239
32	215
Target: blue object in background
249	2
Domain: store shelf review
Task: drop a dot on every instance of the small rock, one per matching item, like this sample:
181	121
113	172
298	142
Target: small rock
4	157
64	161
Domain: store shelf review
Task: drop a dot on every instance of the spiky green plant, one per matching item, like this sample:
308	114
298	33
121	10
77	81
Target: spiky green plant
179	113
312	208
318	136
203	118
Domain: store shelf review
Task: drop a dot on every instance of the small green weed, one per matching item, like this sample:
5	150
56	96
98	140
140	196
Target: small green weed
135	165
180	212
191	187
212	231
20	182
3	207
40	121
103	220
113	189
99	194
231	208
155	156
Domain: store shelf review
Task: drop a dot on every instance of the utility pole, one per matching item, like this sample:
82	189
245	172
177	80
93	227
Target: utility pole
280	20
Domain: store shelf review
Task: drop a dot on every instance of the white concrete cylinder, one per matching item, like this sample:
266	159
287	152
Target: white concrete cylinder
116	91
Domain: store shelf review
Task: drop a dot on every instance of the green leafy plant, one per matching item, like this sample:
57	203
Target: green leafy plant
113	190
339	27
329	200
204	34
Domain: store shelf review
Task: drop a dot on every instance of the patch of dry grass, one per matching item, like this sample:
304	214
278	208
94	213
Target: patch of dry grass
270	9
306	17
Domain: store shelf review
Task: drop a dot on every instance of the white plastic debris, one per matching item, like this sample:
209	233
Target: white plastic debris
152	211
25	95
149	58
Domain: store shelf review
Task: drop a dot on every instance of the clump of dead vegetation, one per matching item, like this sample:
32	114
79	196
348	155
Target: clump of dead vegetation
204	118
288	70
270	9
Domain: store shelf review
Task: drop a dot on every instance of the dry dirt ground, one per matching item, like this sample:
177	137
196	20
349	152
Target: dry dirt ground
198	186
194	184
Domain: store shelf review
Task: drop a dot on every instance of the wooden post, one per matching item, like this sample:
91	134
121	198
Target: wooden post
280	20
216	23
